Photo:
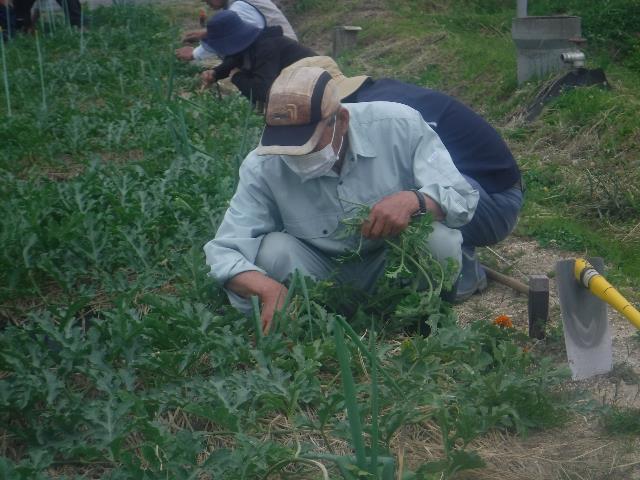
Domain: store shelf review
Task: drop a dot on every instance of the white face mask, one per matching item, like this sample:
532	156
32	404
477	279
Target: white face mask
314	164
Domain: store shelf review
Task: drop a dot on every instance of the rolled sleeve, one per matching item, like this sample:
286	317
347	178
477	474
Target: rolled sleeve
200	54
437	177
251	215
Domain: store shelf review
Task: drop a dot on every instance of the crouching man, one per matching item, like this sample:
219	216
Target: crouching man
316	162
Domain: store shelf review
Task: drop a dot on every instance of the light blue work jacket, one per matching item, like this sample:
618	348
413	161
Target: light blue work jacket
390	149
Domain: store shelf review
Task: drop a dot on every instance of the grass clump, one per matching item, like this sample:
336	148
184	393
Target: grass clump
622	421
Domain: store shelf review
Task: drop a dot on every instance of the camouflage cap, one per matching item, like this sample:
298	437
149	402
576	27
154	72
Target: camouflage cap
300	103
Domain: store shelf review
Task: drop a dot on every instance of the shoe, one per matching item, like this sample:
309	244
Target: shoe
472	276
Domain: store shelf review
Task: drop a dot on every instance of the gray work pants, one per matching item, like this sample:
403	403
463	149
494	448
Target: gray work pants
281	254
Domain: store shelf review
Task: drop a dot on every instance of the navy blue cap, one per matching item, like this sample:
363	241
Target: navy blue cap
227	34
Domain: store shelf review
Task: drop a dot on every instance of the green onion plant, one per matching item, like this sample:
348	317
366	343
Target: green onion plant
351	403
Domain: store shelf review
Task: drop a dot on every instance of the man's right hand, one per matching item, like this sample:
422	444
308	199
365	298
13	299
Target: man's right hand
272	301
270	292
208	77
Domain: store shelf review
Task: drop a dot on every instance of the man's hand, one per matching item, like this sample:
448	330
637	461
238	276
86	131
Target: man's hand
271	293
390	216
233	72
193	36
185	53
272	301
208	77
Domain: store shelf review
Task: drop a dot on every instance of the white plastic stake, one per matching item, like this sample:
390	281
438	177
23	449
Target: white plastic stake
44	96
82	7
51	18
5	74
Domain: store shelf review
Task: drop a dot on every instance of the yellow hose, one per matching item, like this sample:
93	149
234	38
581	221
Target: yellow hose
589	277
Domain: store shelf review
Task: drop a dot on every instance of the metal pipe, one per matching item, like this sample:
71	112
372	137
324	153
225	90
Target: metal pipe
575	58
522	8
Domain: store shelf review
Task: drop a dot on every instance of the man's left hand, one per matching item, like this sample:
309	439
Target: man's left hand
390	216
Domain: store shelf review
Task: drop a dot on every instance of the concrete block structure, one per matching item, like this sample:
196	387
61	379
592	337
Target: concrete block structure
540	41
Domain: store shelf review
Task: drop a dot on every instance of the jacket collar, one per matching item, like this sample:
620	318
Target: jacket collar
358	139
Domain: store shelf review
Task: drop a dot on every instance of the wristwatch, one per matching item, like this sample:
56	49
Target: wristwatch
421	203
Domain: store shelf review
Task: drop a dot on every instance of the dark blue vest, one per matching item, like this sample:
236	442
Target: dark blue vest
476	148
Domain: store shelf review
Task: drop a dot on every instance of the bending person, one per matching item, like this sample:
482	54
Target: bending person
7	19
24	21
260	13
477	150
252	58
316	161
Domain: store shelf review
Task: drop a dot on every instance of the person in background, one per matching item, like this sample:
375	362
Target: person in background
24	21
477	150
7	19
252	58
260	13
317	160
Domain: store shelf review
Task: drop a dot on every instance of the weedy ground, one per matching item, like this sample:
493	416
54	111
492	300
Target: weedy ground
121	359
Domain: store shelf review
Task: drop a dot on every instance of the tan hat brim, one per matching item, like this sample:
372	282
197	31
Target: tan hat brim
348	85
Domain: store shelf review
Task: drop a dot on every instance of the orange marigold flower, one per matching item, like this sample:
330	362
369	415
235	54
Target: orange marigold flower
503	321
